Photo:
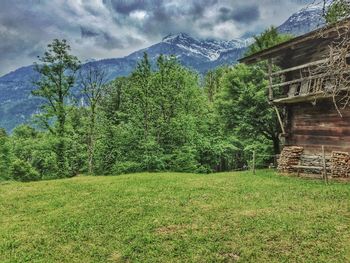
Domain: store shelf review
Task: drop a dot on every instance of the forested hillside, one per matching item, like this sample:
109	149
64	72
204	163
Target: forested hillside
156	119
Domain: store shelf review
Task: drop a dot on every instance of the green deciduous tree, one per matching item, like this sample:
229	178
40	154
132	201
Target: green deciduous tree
152	118
243	101
57	70
270	37
244	107
92	81
212	82
336	10
5	155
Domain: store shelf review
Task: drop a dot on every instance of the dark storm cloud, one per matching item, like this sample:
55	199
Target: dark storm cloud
127	6
87	32
166	17
243	14
197	8
109	41
113	28
246	14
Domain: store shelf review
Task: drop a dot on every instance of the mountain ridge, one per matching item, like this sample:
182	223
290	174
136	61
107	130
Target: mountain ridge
17	104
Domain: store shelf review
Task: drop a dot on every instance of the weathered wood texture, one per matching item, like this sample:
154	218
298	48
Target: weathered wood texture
313	126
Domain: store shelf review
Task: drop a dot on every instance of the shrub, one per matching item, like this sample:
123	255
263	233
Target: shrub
44	161
126	167
152	156
184	160
23	171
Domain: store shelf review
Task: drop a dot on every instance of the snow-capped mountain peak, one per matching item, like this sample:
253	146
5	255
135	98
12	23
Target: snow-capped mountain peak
208	48
178	38
303	21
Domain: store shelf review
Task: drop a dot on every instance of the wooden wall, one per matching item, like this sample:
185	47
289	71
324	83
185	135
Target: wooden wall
313	126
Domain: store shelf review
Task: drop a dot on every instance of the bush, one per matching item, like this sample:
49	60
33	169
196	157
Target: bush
184	160
152	156
44	161
5	155
126	167
23	171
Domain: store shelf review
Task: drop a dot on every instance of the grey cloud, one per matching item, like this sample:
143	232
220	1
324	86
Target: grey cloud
87	32
110	42
246	14
105	39
107	28
197	8
242	14
127	6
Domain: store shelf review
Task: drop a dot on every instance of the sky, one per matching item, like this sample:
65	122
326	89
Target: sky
114	28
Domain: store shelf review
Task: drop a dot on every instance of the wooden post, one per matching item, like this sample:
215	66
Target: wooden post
254	162
270	79
325	176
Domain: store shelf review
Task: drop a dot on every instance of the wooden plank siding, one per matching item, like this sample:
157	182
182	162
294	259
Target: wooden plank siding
313	126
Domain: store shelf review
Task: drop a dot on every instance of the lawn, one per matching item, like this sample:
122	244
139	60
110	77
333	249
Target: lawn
172	217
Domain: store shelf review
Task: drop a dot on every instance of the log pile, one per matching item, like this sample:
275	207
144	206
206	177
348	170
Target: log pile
289	157
340	164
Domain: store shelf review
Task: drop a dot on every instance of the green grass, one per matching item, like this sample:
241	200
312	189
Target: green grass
170	217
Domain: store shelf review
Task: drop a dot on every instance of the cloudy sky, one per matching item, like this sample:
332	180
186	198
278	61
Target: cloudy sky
115	28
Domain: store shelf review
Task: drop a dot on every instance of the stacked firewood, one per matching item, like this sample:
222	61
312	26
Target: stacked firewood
289	157
340	164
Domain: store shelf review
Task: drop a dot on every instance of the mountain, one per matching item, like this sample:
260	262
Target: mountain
17	104
303	21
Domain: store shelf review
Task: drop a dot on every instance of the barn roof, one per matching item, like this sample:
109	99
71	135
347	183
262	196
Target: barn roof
304	46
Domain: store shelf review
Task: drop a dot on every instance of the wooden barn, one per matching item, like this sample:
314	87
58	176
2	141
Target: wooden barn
310	89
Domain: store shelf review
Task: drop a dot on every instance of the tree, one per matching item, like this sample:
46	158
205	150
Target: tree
152	120
57	71
92	80
270	37
336	10
142	92
212	82
244	107
5	155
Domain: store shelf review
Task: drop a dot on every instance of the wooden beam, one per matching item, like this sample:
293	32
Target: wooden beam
314	63
300	98
300	80
310	64
270	79
307	97
280	120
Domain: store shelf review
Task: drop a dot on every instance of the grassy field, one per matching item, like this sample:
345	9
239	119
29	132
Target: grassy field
169	217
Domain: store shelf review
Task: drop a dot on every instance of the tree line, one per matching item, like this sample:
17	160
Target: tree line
162	117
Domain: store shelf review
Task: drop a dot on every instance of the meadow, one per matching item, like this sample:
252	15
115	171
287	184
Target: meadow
174	217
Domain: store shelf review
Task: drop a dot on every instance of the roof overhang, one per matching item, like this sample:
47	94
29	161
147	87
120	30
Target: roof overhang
307	40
